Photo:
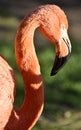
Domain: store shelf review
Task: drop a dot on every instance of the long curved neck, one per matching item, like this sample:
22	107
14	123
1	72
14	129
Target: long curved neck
30	111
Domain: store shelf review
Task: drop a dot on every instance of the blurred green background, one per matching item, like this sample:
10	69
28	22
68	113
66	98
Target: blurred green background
62	110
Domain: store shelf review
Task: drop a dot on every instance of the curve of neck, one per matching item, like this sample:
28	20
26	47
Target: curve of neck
25	117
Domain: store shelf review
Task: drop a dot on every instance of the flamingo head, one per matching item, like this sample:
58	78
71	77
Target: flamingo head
63	50
55	27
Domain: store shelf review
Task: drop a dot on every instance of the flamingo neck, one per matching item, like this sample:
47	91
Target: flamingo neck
25	117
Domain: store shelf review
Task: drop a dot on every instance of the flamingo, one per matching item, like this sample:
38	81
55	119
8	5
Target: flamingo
52	22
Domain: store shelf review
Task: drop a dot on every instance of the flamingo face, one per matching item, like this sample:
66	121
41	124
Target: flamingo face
63	50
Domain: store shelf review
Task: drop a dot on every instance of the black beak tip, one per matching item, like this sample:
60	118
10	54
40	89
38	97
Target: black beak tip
58	64
53	73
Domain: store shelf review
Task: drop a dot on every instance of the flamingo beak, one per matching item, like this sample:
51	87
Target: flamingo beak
63	51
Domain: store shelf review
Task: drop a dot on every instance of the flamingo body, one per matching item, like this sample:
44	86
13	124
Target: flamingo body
52	22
